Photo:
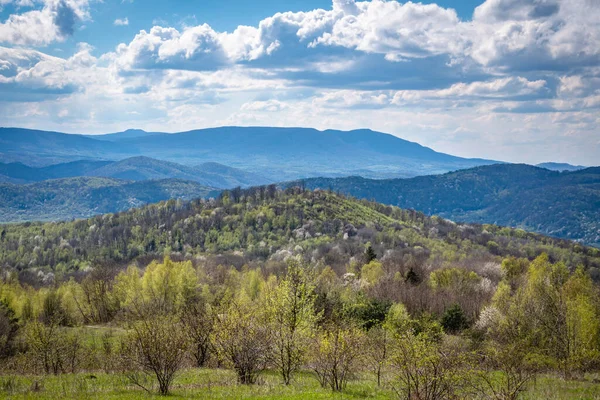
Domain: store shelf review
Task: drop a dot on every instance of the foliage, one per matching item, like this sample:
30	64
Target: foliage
292	319
336	355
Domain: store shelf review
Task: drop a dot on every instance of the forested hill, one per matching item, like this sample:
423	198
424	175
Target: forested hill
65	199
266	225
561	204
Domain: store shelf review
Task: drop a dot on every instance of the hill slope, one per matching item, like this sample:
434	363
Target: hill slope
278	153
83	197
565	205
265	224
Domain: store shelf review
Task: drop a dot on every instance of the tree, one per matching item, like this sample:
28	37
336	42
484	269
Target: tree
454	319
336	355
370	254
424	369
377	350
372	272
52	348
156	345
292	319
9	326
506	373
98	303
199	320
242	339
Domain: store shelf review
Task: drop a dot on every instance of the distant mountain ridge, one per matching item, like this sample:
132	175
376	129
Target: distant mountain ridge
138	168
560	204
553	166
82	197
277	153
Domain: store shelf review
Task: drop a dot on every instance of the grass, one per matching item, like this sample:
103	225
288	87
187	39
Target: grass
221	384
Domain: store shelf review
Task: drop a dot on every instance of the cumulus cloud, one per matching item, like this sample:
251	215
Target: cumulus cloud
55	21
32	75
197	48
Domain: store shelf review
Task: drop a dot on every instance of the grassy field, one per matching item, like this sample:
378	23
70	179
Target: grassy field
221	384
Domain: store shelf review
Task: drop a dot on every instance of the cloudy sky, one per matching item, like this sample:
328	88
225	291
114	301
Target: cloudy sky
516	80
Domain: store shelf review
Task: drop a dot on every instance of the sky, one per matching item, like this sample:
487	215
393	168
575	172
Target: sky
513	80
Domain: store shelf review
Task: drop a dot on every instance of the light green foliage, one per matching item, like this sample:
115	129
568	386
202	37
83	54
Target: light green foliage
337	352
292	318
453	278
372	272
167	286
398	321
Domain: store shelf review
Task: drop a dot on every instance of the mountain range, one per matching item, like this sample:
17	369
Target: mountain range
117	171
134	169
560	204
275	153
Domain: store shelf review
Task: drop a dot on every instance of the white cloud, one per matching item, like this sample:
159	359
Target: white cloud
121	21
55	21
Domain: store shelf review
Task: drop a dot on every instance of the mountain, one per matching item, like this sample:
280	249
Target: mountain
209	174
136	169
20	173
42	148
265	226
276	153
553	166
86	196
128	134
565	205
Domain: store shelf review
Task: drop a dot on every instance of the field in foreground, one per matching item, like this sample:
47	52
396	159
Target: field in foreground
221	384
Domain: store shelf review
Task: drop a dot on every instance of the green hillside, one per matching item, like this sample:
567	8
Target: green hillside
262	224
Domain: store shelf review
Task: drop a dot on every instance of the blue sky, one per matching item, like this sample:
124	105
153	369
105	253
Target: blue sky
517	80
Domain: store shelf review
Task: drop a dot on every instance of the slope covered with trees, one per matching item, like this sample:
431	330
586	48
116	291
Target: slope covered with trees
565	205
264	223
65	199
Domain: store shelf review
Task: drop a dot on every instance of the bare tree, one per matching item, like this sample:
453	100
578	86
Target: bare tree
199	321
506	374
425	369
242	339
156	345
377	350
336	355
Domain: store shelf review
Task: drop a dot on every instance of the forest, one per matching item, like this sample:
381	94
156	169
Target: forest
270	293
